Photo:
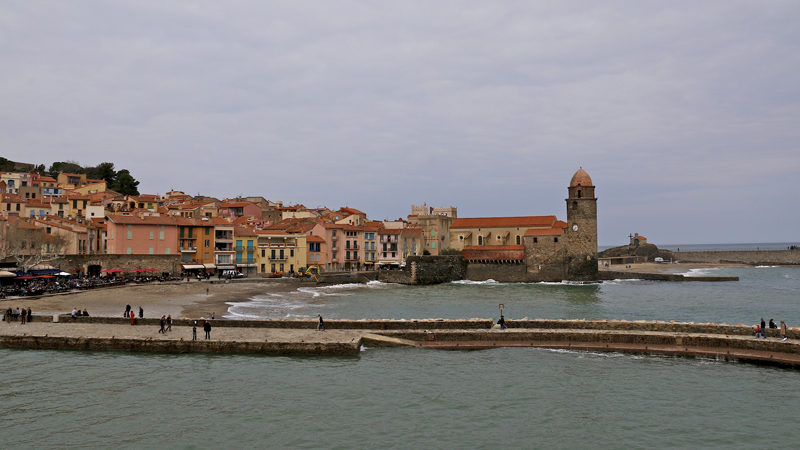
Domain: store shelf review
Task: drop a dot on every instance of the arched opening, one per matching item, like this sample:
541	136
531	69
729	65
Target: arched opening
518	240
574	205
480	240
579	193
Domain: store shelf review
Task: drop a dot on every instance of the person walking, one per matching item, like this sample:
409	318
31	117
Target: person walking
141	313
163	320
783	330
207	329
169	322
763	328
194	331
502	322
127	310
320	323
758	331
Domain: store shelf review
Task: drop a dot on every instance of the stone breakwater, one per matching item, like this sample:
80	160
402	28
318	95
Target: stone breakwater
614	275
751	257
346	337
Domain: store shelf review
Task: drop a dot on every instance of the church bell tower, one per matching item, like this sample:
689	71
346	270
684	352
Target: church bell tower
581	228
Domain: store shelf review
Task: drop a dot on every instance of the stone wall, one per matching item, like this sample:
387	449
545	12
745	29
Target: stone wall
427	270
614	275
502	272
162	263
752	257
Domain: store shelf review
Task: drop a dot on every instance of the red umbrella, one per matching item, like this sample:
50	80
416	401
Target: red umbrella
45	276
25	278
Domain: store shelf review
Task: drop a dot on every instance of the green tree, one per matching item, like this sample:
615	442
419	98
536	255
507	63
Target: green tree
65	167
6	165
124	183
103	171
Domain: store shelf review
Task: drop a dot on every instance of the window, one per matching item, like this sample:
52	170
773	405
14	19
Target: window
579	193
208	243
238	257
167	251
208	230
263	267
250	245
130	234
263	253
574	205
150	251
518	240
433	244
273	267
291	253
161	235
347	255
555	240
238	245
333	255
282	254
129	251
281	267
480	240
151	235
206	256
535	240
272	256
249	257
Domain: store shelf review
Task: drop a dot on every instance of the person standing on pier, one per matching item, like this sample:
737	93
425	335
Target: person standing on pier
141	313
763	328
127	310
133	316
502	322
163	320
783	330
320	324
207	329
169	322
194	331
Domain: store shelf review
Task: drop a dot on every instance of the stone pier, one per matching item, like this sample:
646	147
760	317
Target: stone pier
346	337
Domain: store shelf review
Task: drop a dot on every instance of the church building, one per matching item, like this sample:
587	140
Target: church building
534	248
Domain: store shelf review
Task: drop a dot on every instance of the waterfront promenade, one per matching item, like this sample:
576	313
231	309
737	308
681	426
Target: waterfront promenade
346	337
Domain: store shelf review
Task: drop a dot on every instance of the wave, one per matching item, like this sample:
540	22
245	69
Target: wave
765	267
470	282
699	272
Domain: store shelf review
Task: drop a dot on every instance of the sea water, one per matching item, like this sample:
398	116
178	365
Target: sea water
411	398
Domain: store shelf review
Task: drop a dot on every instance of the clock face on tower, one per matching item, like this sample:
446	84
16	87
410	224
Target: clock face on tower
575	227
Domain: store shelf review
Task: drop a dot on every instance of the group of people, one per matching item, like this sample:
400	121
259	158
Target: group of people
77	313
206	328
23	315
761	329
166	324
129	312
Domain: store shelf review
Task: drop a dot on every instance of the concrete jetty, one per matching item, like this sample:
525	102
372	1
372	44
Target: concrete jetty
346	337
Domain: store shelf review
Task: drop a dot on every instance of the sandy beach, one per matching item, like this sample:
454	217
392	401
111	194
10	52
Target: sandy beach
179	299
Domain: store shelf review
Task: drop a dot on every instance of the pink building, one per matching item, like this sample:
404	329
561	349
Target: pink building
148	235
234	210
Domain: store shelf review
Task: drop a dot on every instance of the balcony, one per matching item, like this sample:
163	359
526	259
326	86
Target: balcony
188	249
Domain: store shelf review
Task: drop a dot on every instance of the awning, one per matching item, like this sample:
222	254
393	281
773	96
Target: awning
42	266
368	262
5	274
389	263
226	268
246	265
209	266
192	266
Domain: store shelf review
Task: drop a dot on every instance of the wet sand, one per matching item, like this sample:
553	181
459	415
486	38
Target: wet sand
179	299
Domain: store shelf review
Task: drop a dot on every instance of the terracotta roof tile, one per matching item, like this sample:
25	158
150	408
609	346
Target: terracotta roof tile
504	222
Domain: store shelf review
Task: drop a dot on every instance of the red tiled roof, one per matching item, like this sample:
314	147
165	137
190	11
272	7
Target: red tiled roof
545	232
314	238
504	222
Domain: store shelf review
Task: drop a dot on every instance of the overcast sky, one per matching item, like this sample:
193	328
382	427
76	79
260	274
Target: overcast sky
685	114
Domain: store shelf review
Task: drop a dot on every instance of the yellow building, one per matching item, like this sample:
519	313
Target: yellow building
281	252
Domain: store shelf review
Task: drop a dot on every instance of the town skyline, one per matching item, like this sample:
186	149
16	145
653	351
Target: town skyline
683	114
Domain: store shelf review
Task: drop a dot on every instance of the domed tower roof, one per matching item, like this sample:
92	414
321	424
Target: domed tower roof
581	178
